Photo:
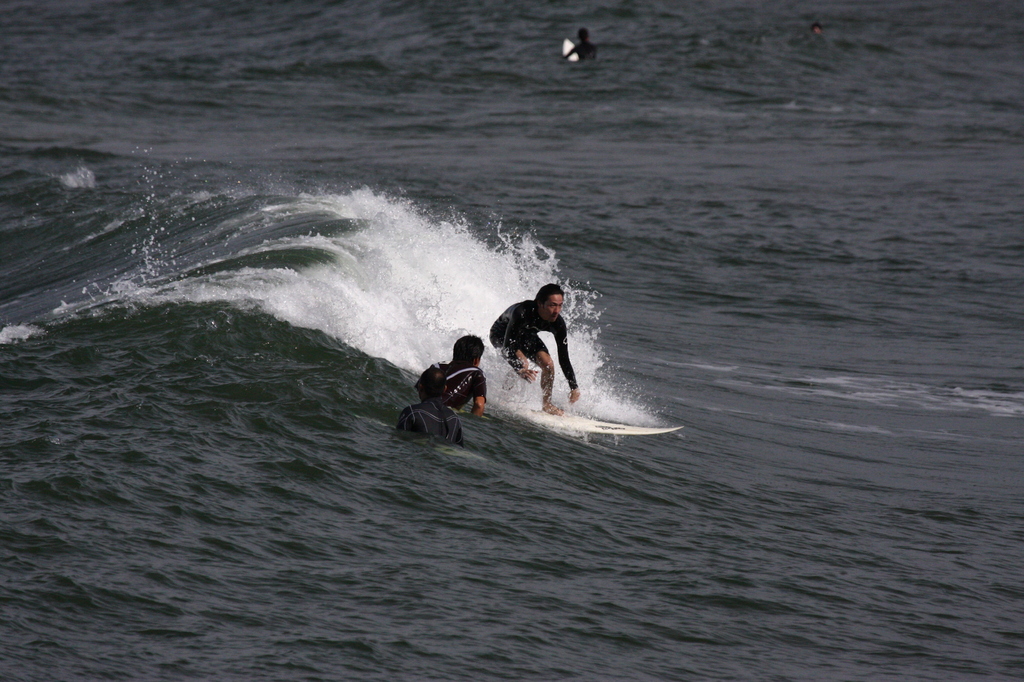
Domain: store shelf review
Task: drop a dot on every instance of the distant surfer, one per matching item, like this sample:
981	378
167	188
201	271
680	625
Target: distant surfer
583	49
816	28
514	334
464	380
431	416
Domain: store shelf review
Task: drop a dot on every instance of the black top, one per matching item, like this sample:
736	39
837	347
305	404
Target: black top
517	329
431	416
463	382
585	50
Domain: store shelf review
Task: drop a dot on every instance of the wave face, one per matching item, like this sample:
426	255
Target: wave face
232	235
374	273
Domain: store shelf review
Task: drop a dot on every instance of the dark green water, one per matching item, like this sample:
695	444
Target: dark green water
230	238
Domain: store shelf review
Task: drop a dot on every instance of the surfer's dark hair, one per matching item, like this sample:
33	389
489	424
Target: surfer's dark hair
584	34
547	291
467	349
432	382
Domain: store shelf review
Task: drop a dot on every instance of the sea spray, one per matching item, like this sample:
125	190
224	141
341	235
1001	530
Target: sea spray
383	276
80	178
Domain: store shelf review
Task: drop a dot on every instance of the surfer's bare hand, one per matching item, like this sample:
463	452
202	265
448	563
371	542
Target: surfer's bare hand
574	395
528	374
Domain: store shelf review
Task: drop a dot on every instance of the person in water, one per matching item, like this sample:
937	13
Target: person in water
816	28
464	380
514	335
585	49
431	416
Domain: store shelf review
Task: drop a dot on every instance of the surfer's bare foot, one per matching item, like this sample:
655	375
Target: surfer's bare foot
551	409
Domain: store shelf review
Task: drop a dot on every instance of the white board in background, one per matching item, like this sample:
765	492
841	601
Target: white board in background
574	423
567	48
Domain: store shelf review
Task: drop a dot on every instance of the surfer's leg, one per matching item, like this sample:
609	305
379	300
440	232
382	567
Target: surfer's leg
547	381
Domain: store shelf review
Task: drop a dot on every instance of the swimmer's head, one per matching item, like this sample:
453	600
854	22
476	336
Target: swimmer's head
816	28
584	34
468	349
431	383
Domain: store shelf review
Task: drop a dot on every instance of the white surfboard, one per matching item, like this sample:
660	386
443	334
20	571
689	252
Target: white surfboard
577	424
567	46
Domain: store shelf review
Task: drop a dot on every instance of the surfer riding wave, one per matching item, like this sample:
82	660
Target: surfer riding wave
514	335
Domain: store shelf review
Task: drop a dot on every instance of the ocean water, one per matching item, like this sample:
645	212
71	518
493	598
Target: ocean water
231	236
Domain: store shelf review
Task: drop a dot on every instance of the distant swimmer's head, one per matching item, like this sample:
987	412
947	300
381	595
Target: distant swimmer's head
549	302
816	28
584	34
431	383
468	349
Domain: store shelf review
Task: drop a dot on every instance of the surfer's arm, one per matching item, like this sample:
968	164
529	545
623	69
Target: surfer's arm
479	392
522	366
562	341
409	421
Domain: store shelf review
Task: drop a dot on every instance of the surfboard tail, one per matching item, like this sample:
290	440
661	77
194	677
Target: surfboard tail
567	47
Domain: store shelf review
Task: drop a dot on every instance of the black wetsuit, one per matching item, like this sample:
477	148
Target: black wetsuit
517	329
431	416
585	50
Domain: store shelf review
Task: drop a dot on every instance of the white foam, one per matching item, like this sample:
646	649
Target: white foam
107	229
404	286
699	365
886	392
80	178
18	332
851	428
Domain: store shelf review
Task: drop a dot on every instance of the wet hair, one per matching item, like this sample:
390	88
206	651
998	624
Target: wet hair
547	291
432	382
468	348
584	34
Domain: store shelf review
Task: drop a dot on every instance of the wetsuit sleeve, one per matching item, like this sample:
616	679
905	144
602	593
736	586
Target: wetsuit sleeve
407	420
455	434
562	341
